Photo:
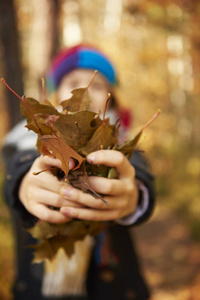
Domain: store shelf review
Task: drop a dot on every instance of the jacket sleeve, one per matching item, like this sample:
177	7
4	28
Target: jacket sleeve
17	163
146	199
19	154
144	176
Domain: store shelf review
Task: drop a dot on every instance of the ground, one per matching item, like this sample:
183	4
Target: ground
170	258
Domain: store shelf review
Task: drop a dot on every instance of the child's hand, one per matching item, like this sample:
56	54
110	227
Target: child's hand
40	192
121	194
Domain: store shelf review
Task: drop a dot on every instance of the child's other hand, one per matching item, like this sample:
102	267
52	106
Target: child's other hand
121	194
40	192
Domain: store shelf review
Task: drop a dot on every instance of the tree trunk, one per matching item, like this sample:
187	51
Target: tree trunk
56	6
11	58
43	42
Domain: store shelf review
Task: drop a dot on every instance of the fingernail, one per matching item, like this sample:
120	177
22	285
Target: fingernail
67	192
91	158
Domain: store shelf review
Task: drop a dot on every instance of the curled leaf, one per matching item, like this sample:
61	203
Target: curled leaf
129	146
57	147
73	134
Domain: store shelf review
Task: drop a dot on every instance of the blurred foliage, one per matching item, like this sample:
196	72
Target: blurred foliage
6	251
155	46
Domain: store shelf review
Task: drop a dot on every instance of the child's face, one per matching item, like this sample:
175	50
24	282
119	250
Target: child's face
79	78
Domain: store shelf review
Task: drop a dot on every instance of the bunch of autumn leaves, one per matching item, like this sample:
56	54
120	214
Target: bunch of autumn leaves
75	132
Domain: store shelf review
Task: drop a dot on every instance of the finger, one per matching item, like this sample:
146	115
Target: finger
112	158
90	214
46	214
47	181
84	199
107	186
47	161
53	199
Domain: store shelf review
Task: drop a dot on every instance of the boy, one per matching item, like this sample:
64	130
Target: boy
115	275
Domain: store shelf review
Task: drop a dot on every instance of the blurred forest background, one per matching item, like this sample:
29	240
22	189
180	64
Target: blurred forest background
155	46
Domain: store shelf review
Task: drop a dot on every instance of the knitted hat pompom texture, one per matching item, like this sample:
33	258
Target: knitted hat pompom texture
79	57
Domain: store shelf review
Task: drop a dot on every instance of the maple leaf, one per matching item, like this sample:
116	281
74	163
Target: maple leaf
49	247
57	147
30	106
44	126
75	134
129	146
35	112
55	236
102	138
78	128
44	230
80	100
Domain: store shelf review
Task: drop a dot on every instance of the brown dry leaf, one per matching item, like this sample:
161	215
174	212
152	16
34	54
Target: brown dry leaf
36	107
80	100
57	147
74	134
30	107
44	230
129	146
77	128
44	125
103	138
49	247
56	236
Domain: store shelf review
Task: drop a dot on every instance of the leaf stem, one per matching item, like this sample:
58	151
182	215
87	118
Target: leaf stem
152	119
45	170
103	123
28	107
106	106
4	82
95	73
90	189
23	99
44	90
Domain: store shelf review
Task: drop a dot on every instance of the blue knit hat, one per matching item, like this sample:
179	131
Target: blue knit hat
79	57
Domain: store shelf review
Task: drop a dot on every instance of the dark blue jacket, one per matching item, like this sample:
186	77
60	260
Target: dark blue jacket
119	281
